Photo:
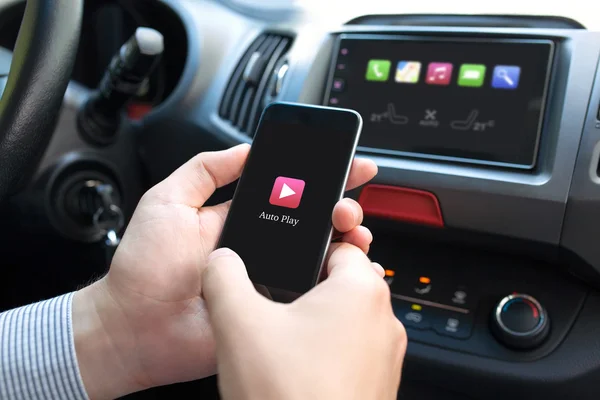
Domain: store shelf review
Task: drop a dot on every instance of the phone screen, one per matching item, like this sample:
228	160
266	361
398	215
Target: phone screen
280	218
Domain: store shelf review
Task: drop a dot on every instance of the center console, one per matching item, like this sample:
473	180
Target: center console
477	132
485	139
488	121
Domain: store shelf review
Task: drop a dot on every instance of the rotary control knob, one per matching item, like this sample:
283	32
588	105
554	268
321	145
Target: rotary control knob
519	321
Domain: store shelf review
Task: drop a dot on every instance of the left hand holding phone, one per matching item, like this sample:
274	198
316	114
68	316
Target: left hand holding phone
146	318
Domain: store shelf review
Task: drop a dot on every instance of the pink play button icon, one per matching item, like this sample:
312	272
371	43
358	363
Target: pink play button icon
287	192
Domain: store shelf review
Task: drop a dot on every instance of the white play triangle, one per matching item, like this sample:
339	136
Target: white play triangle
286	191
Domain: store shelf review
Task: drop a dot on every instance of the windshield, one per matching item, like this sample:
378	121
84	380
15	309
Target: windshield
344	10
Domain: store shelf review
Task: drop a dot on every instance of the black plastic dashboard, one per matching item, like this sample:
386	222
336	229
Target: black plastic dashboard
492	230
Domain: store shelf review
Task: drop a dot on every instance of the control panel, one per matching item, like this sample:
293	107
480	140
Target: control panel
433	302
479	302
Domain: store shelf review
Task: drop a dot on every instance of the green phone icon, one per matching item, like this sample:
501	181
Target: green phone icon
378	70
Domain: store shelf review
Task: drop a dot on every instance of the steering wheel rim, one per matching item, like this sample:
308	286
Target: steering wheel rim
41	67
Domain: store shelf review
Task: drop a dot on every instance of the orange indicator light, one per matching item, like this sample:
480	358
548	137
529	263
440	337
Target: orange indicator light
425	280
389	272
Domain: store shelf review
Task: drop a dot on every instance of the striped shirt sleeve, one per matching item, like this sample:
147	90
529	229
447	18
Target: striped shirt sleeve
37	352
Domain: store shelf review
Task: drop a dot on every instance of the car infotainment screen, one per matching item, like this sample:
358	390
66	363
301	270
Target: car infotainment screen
478	101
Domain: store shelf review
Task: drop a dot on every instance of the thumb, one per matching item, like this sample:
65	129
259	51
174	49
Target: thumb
227	290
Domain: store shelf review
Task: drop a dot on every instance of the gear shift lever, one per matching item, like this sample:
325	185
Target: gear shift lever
129	69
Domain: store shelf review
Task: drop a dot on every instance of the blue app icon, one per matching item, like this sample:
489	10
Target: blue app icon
506	77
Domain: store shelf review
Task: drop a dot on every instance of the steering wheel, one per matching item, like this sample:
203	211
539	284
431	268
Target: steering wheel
41	67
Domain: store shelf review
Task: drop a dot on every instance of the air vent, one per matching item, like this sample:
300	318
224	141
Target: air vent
255	81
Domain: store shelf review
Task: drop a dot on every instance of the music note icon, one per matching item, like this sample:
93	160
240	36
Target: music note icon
439	73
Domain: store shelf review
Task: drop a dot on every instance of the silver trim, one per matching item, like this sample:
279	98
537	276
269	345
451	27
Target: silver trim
414	36
279	77
430	303
539	327
250	66
342	189
594	164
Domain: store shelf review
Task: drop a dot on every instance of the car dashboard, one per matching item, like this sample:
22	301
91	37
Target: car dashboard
486	131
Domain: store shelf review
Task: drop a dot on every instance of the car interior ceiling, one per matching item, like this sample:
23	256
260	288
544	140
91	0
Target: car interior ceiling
485	210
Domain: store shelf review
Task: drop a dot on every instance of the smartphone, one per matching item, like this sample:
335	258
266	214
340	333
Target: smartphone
280	218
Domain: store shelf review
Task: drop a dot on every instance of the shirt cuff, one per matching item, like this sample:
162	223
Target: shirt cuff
37	352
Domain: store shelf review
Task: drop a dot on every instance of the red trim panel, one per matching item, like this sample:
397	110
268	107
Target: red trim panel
402	204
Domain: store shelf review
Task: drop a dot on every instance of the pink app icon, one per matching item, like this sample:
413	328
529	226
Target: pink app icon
287	192
439	73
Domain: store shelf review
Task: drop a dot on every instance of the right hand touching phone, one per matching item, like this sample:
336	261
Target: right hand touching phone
340	340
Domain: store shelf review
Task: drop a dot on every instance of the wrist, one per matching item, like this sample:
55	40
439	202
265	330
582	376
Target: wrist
104	344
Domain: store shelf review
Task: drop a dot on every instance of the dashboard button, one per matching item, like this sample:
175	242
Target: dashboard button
460	296
412	315
456	325
338	85
422	286
418	286
520	321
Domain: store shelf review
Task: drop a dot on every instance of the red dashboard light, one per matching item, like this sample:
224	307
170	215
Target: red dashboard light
137	111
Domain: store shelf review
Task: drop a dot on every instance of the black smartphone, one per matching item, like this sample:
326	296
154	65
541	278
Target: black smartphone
280	218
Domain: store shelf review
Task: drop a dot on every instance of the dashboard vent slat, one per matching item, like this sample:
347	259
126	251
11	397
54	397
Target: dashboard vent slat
239	121
243	85
236	80
246	94
259	102
254	78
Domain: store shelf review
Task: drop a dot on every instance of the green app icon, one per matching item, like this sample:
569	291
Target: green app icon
471	75
378	70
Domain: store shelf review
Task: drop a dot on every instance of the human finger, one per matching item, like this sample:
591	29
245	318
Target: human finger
196	180
361	172
347	214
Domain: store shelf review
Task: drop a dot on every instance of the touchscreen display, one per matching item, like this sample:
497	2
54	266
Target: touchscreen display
461	100
280	218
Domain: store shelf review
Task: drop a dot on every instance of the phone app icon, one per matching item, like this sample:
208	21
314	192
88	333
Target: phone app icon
439	73
506	77
408	71
471	75
287	192
378	70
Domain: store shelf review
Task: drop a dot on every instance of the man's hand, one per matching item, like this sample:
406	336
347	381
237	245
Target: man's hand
341	340
145	323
